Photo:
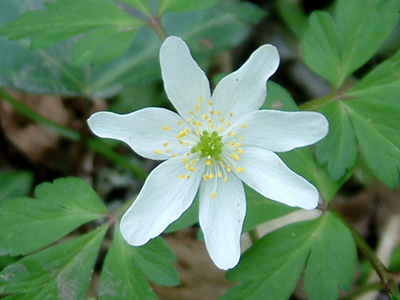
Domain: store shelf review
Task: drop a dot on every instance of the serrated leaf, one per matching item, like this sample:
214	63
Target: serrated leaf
339	148
121	278
59	272
63	19
15	184
73	193
49	70
363	25
331	262
154	259
336	50
377	127
382	83
320	46
184	6
271	268
59	208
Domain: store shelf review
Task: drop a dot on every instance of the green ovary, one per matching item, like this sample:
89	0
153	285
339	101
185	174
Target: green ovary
209	145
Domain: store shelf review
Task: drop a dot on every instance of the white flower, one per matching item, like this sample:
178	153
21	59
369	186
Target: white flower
213	144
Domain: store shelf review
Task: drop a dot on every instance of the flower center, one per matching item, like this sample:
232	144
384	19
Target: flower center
210	145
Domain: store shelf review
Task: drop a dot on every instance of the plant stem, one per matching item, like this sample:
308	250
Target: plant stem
93	144
155	23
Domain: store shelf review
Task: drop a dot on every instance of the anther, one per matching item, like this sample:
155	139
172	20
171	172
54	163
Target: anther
165	128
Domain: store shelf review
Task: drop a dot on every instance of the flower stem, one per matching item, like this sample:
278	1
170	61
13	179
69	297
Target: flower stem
93	144
369	254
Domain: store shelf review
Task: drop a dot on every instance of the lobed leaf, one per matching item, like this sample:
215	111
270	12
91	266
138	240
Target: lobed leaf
335	50
271	268
58	209
49	70
121	277
382	83
377	128
154	260
331	262
339	148
363	26
15	184
63	19
59	272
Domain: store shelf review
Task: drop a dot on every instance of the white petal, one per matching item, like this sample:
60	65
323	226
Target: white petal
281	131
221	219
162	200
184	81
266	173
245	90
146	131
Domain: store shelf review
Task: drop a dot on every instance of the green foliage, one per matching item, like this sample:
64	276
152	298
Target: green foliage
121	277
109	29
58	209
61	271
339	149
335	50
271	268
50	71
185	5
154	259
15	184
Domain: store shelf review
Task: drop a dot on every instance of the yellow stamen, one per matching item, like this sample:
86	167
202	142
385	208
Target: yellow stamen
180	122
244	126
239	169
182	176
158	152
191	112
235	156
197	107
231	114
225	179
165	144
209	102
213	194
165	128
219	174
199	99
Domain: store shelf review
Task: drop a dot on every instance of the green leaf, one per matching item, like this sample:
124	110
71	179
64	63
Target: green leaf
185	5
331	262
58	209
67	18
278	98
49	70
59	272
15	184
377	127
261	210
73	193
320	46
271	268
382	83
121	278
363	25
339	148
142	5
336	50
154	259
